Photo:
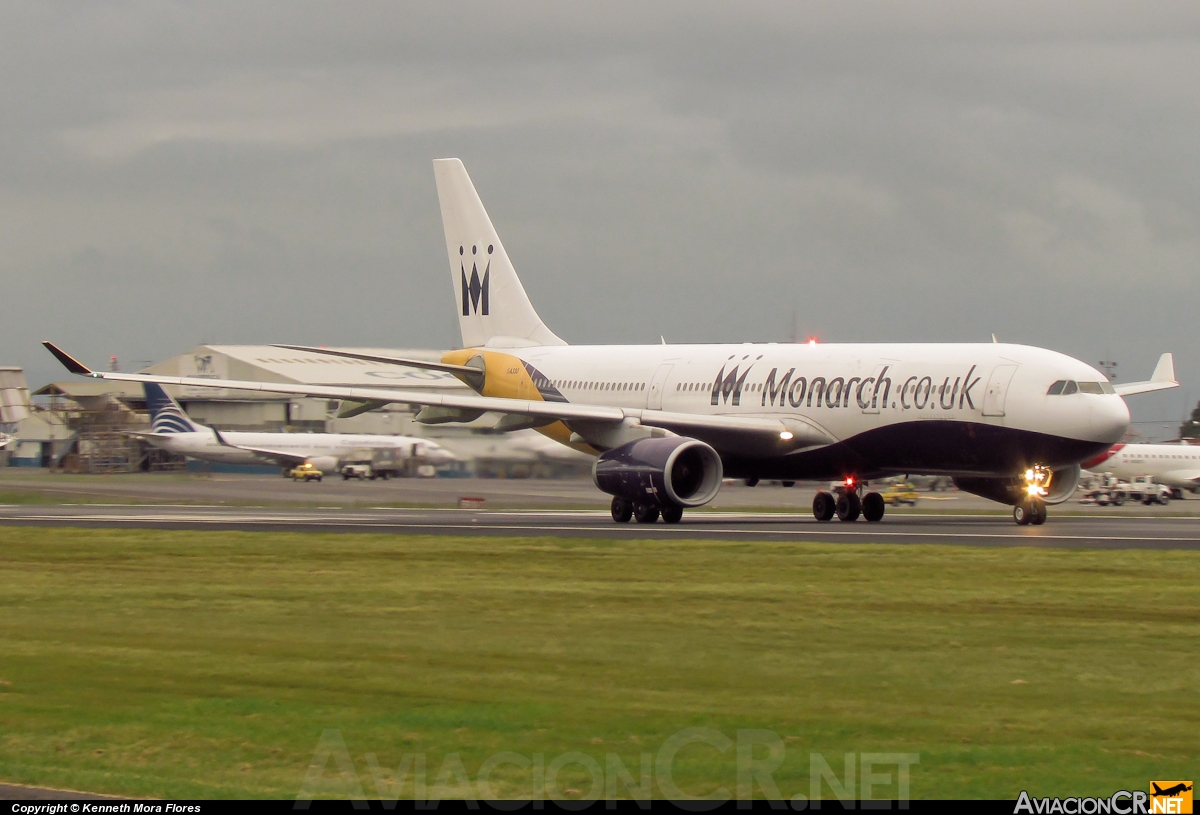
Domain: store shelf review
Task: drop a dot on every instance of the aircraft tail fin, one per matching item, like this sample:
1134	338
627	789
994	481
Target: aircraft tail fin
493	309
166	416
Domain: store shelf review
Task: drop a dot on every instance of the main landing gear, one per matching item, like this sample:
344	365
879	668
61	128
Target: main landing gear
624	510
847	504
1031	509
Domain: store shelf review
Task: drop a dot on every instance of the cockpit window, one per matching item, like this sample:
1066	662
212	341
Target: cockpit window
1065	387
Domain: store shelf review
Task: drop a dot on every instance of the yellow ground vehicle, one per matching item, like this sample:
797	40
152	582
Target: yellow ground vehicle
306	472
900	493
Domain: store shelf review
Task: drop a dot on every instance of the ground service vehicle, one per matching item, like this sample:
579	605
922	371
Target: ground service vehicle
1144	488
900	493
306	472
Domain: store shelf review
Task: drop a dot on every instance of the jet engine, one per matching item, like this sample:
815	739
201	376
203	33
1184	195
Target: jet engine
673	470
1012	490
326	464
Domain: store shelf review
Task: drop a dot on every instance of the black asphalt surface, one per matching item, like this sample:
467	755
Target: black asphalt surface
1097	531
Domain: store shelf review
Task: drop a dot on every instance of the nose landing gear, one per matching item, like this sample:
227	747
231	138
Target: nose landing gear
1031	509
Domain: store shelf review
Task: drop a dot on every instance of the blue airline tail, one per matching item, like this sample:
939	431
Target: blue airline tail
166	416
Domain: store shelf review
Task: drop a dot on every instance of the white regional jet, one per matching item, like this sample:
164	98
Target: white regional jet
171	429
1173	465
668	421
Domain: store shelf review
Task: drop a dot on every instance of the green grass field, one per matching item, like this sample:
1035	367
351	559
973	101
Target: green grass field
207	664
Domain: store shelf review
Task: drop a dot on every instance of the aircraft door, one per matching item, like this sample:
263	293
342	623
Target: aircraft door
997	390
654	394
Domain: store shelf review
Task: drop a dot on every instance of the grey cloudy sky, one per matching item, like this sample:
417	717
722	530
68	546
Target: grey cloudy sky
174	173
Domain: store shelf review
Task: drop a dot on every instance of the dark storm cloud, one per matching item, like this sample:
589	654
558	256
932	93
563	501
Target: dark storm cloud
174	173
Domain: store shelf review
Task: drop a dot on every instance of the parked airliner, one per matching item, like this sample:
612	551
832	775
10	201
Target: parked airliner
667	422
171	429
1173	465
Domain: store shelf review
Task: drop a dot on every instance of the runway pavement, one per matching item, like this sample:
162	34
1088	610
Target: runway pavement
1077	531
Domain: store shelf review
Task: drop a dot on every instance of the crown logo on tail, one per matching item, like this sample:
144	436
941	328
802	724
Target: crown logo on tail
475	290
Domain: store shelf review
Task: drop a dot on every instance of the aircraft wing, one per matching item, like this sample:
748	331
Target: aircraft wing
277	456
1162	378
790	434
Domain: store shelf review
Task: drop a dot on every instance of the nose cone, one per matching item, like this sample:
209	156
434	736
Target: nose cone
1109	419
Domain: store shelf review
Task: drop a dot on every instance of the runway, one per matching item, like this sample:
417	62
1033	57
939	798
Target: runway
1073	532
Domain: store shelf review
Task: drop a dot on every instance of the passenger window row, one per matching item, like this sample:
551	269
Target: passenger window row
1066	387
597	386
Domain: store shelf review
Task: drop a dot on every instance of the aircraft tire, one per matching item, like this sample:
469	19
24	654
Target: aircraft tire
787	483
751	482
1039	514
873	507
1022	514
823	506
848	507
622	510
672	514
645	513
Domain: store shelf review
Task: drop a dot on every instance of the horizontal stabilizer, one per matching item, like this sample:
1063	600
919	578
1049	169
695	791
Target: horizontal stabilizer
469	372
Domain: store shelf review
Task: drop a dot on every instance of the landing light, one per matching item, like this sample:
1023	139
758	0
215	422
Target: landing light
812	340
786	435
1037	479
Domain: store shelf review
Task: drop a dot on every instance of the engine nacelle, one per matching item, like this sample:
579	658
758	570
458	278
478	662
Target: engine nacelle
326	464
1012	490
674	470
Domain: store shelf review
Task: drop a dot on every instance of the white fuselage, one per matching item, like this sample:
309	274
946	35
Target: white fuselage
203	445
972	409
1172	465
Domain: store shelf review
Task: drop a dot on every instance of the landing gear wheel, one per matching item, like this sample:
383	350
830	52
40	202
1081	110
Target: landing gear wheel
873	507
645	513
672	514
622	510
751	482
848	506
788	483
1027	512
823	507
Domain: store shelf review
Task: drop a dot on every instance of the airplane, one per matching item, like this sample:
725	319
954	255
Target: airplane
667	422
1173	465
171	429
1170	792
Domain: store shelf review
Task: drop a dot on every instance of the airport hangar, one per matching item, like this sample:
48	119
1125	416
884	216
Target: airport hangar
488	451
